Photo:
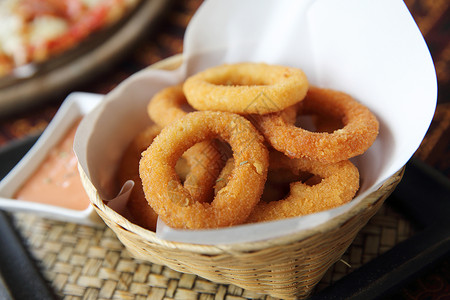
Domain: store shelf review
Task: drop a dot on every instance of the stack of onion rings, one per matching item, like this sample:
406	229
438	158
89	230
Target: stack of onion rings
250	106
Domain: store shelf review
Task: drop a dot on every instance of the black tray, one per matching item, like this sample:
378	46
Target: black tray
423	196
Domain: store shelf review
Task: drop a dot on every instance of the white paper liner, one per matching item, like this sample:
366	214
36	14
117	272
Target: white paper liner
371	50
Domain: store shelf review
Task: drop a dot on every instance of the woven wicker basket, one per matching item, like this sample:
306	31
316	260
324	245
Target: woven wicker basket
286	267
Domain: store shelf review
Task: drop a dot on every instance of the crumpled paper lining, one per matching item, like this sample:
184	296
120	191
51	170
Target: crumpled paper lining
371	50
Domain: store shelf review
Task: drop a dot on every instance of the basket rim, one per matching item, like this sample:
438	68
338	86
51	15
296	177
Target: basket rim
150	236
174	62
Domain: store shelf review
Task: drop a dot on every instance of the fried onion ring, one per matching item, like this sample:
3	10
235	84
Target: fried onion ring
360	128
198	169
141	213
203	159
246	88
338	185
232	204
166	106
273	188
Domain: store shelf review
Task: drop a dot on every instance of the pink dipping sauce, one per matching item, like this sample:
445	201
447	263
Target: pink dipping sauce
56	181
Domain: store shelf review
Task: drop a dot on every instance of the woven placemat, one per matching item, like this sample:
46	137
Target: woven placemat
82	262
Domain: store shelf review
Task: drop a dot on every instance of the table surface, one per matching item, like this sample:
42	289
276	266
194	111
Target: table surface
84	262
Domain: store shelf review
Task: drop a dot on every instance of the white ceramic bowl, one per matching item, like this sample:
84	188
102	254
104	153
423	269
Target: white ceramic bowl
74	107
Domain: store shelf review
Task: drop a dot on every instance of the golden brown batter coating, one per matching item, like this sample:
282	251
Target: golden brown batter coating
360	128
339	184
167	105
137	205
246	88
204	159
232	204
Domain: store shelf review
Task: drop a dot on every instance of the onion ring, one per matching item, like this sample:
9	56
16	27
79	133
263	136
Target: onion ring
166	106
339	184
141	213
359	132
246	88
204	159
231	205
197	176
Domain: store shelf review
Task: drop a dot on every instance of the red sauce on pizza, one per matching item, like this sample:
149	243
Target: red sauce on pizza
36	30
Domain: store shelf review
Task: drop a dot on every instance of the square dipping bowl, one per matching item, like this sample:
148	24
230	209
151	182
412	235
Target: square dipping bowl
73	109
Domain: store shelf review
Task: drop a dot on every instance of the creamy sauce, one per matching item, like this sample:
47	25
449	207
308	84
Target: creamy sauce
57	181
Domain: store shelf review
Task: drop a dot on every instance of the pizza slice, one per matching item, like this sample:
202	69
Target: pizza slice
33	31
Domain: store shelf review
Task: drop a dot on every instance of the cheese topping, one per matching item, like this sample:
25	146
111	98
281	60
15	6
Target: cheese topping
34	30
